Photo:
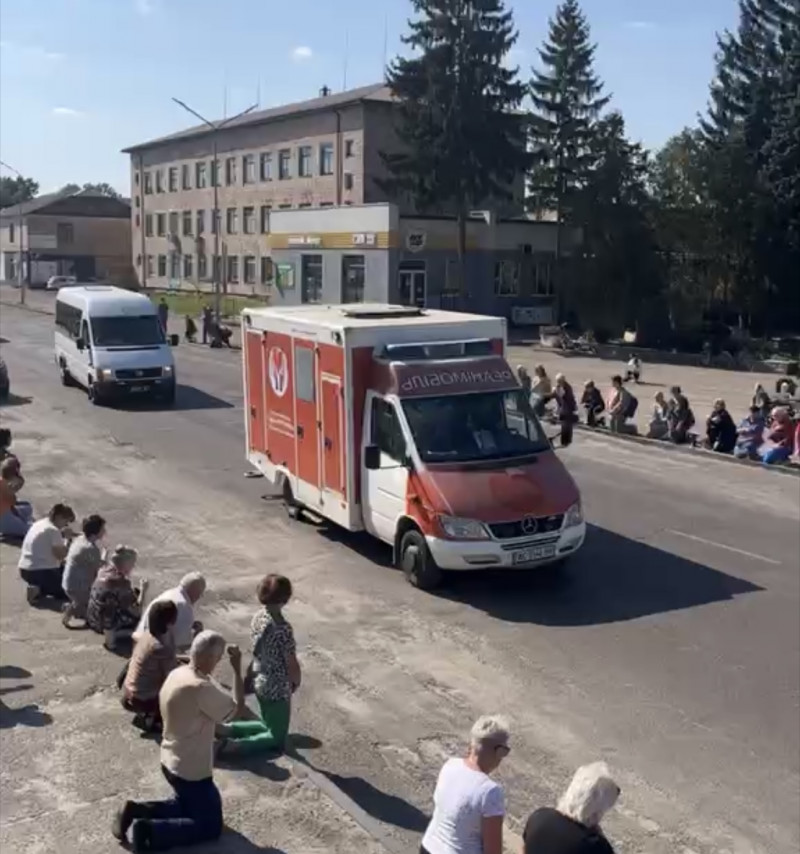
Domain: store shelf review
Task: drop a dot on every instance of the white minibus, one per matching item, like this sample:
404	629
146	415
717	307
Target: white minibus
110	341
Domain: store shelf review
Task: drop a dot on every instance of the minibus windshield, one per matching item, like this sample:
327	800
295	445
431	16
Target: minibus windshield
127	331
472	427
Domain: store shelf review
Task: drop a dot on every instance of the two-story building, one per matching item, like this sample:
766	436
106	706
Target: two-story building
82	234
282	174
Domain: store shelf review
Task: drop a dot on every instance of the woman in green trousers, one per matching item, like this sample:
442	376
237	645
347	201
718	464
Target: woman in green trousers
276	674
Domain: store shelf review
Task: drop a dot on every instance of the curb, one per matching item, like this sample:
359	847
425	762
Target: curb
669	447
26	307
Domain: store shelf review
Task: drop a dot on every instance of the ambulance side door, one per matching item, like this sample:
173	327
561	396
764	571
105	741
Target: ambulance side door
383	490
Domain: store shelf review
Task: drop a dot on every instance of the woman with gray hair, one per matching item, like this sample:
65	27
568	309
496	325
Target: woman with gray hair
468	806
574	826
114	605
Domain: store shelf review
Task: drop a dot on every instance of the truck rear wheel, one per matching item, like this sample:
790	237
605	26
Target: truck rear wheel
416	561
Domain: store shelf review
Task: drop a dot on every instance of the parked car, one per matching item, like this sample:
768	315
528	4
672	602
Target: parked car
5	385
56	282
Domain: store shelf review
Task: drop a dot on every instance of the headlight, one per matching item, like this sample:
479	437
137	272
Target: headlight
463	529
574	516
104	374
167	370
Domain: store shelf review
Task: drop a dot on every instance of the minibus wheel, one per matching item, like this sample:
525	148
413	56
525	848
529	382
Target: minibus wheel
66	377
416	561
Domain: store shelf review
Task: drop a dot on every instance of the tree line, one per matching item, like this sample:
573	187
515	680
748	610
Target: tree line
707	227
18	189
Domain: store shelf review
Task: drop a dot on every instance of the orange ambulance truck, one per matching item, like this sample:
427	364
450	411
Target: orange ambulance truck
407	423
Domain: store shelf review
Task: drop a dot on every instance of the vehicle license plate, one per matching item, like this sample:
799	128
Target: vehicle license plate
138	388
532	554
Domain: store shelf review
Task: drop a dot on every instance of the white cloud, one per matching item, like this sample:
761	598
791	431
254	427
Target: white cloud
66	111
640	25
302	53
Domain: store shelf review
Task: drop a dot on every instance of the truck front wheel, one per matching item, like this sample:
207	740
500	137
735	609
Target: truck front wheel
416	561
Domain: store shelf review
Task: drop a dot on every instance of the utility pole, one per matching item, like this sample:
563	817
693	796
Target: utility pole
215	128
20	221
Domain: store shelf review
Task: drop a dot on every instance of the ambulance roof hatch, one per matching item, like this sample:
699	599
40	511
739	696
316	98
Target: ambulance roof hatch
377	311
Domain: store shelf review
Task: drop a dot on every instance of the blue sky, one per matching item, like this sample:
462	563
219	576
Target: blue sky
81	79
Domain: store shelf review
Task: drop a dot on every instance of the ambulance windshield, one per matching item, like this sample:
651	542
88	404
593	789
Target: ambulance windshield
472	427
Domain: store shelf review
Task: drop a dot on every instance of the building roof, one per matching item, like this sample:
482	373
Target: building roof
82	203
31	206
375	92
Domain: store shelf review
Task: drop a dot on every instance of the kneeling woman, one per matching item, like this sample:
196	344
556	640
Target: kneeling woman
114	606
275	671
152	661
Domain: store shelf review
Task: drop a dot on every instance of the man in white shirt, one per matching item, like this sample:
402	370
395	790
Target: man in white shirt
192	704
43	551
185	596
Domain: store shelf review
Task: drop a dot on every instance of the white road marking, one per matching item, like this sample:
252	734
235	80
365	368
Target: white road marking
723	546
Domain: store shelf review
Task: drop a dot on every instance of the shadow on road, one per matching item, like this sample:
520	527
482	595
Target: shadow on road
11	671
31	716
15	400
187	398
232	842
612	579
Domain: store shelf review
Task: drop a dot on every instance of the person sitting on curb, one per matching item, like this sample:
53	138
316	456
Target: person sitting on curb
720	429
43	550
778	443
593	404
659	422
220	335
114	604
574	826
152	661
750	435
16	516
275	673
84	559
681	417
192	705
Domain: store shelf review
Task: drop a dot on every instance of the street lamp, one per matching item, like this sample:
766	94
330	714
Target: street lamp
20	277
215	218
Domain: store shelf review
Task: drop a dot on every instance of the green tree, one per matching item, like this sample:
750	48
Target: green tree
567	99
101	189
16	190
463	143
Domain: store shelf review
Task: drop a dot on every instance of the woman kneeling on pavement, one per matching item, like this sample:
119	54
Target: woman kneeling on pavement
468	806
84	559
275	673
152	661
114	606
574	827
43	550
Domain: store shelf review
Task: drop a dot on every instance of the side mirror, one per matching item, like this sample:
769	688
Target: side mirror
174	340
372	457
80	344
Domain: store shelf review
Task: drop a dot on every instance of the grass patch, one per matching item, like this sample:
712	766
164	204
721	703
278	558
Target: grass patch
187	302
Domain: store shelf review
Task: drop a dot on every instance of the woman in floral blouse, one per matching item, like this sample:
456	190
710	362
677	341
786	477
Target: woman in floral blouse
114	606
275	670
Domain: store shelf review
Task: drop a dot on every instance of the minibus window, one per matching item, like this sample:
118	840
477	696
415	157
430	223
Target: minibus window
127	331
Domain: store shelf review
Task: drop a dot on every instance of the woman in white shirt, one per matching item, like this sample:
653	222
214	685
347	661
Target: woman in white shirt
468	805
43	551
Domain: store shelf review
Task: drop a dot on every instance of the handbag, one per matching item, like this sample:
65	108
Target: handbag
250	674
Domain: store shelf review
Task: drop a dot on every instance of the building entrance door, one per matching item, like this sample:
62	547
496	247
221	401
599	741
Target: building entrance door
411	284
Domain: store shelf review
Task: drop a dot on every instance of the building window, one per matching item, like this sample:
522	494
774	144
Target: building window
249	269
159	181
11	232
174	265
230	171
304	205
136	220
348	180
148	184
65	233
215	220
173	223
138	202
202	266
187	266
233	268
326	204
284	206
349	147
311	278
265	209
506	278
200	174
542	276
266	270
186	216
161	224
232	220
326	158
162	265
214	166
249	220
248	169
265	166
172	179
304	161
452	284
218	268
150	265
136	178
186	177
284	164
148	225
353	278
201	222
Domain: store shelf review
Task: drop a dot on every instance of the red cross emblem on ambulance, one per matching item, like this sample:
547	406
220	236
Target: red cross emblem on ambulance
278	371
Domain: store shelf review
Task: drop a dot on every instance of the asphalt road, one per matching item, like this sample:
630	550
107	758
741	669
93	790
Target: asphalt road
671	648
